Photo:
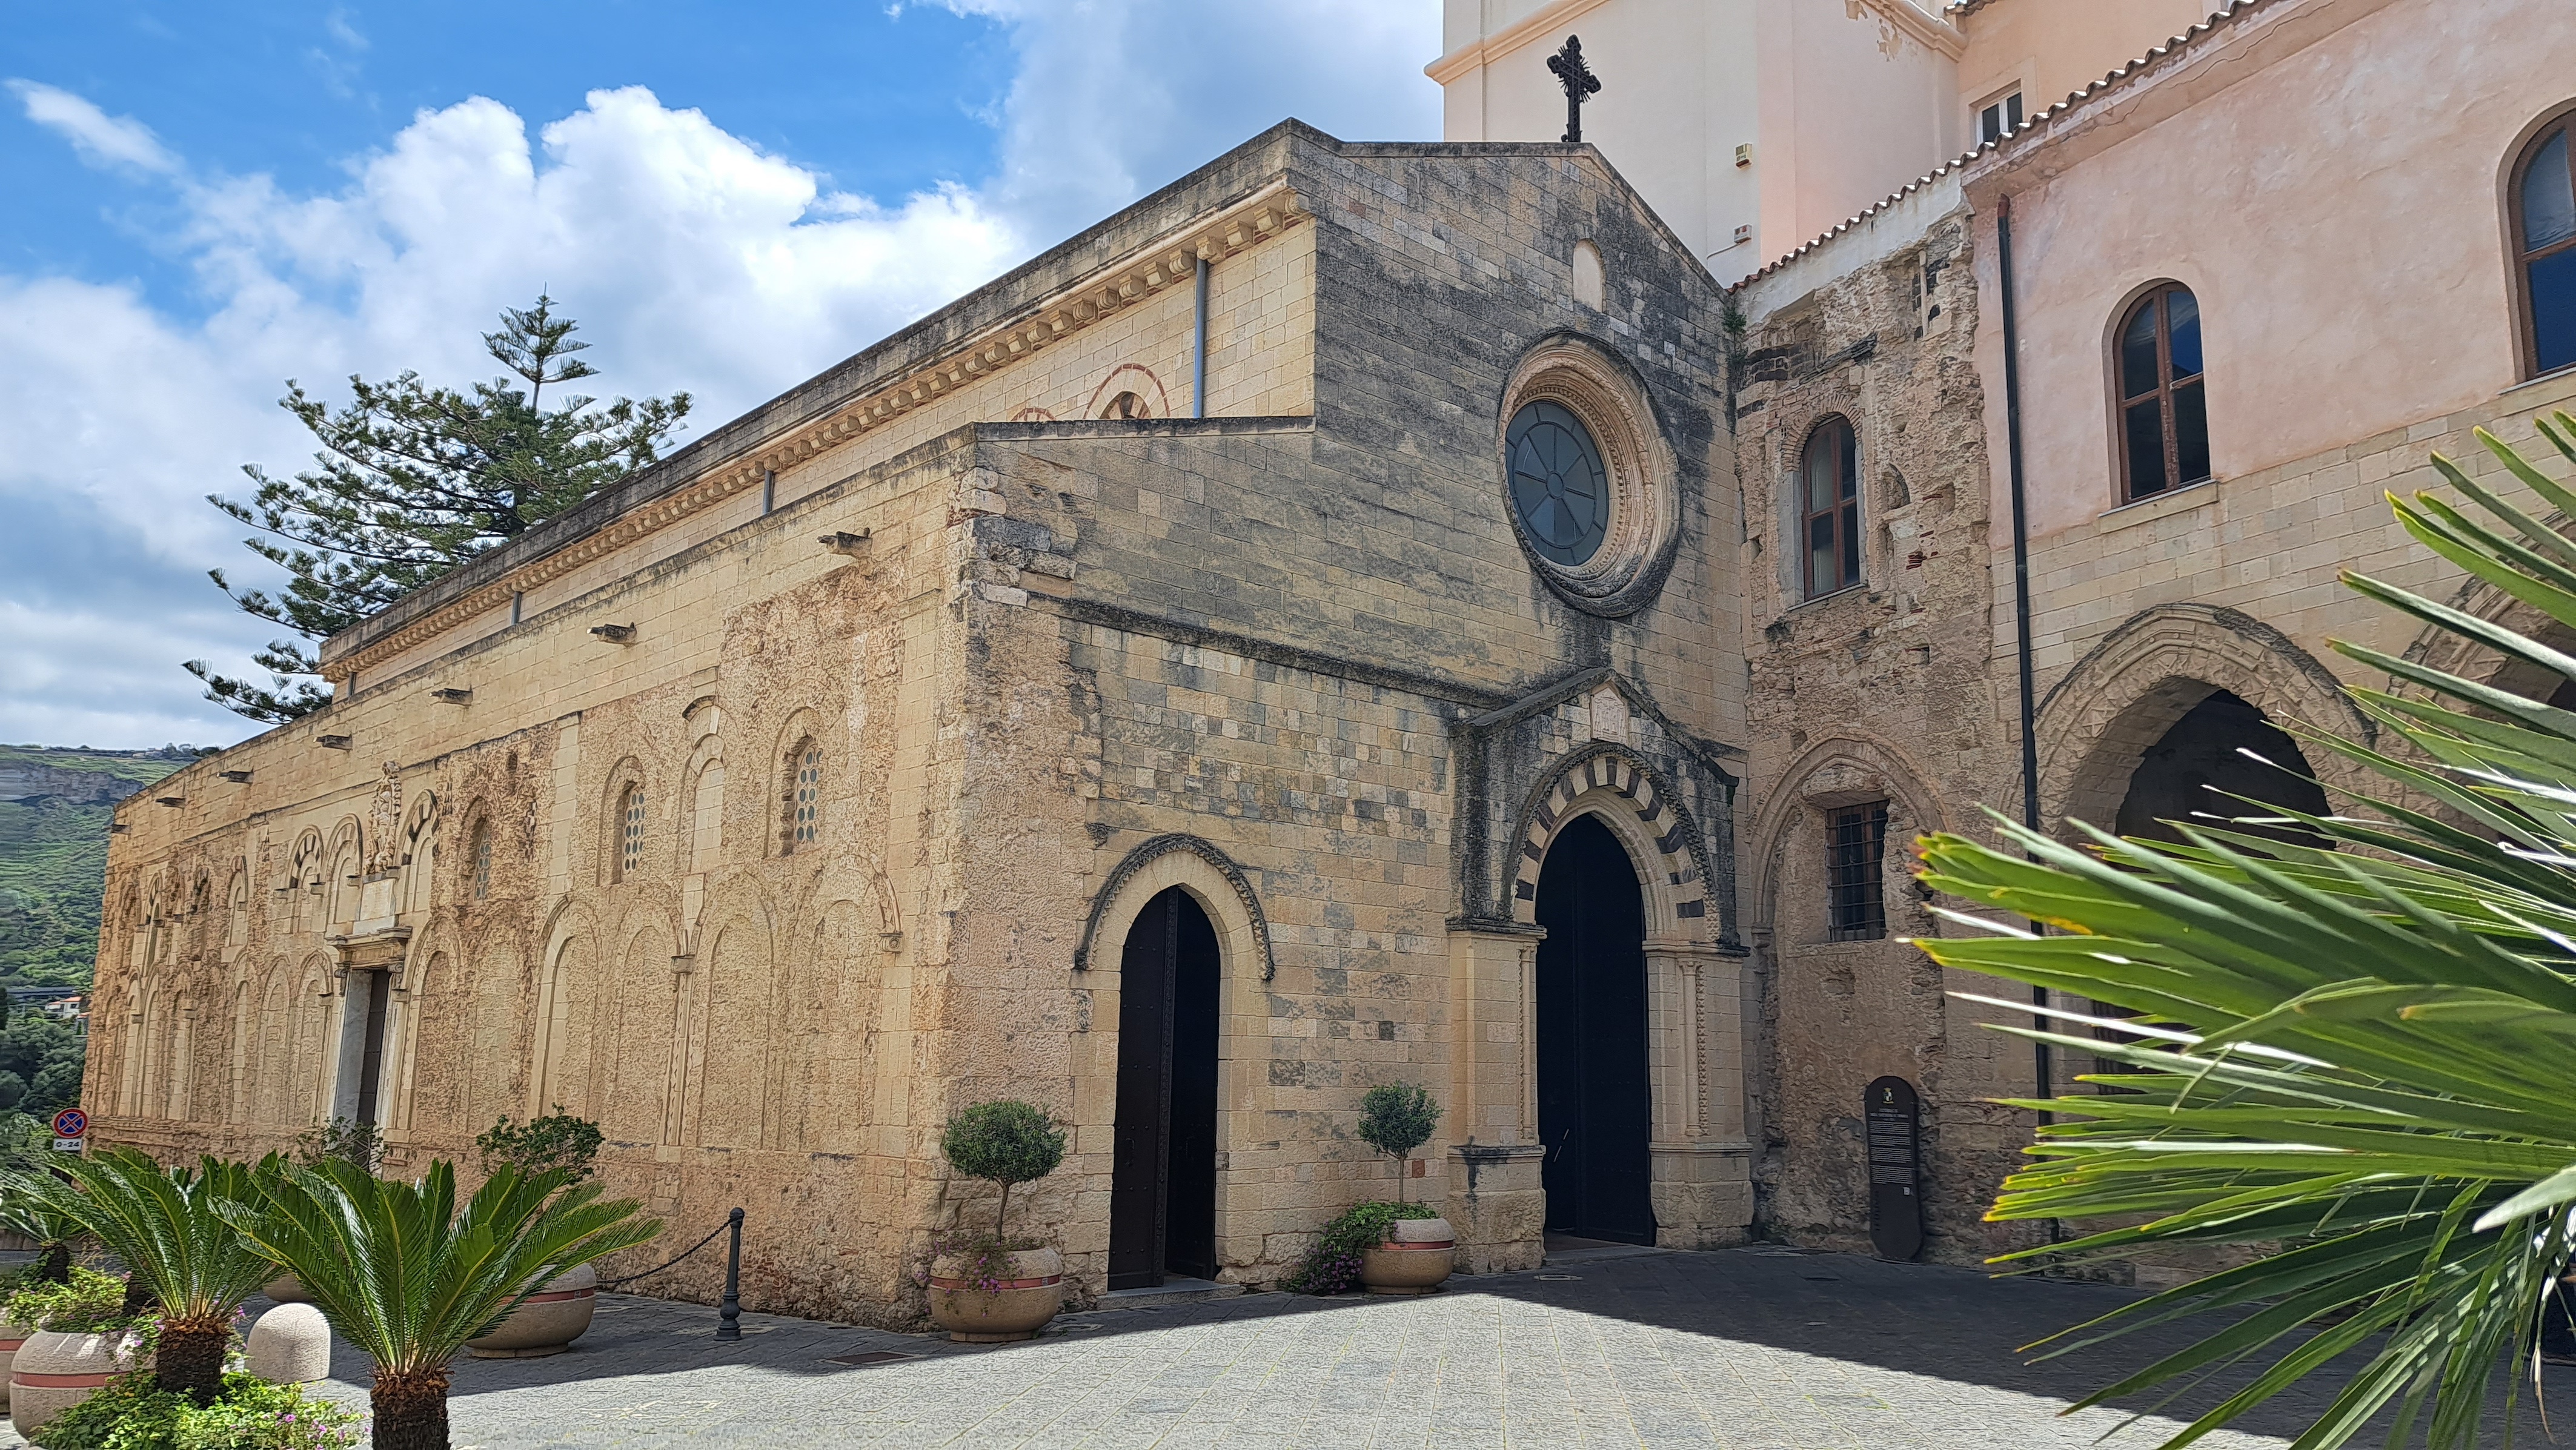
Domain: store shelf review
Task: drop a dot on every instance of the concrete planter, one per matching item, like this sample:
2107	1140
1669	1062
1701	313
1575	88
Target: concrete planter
1032	1290
548	1323
286	1289
52	1372
12	1334
1416	1257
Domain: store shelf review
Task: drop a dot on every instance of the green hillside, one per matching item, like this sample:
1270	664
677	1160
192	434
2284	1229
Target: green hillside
55	806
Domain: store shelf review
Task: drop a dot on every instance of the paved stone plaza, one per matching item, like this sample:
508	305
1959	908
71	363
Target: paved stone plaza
1750	1350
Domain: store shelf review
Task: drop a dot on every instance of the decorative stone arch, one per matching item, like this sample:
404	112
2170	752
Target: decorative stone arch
800	731
2121	698
832	880
2440	649
1130	378
237	905
627	774
1196	866
1610	397
1664	844
1839	770
345	857
695	837
418	860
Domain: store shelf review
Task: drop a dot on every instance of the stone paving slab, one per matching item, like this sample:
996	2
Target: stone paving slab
1746	1350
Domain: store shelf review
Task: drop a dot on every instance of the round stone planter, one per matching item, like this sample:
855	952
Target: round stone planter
52	1372
286	1289
548	1323
12	1334
1031	1291
1417	1255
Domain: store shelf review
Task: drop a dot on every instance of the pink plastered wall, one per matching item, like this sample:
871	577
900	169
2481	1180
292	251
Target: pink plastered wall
2050	48
2328	183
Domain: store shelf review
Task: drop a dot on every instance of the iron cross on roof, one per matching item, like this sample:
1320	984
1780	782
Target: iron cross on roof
1578	80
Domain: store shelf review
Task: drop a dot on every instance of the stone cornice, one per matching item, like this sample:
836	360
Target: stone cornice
1510	38
1168	260
1932	31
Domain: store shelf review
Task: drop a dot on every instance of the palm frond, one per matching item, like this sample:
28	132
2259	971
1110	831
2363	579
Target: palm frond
408	1275
2352	1059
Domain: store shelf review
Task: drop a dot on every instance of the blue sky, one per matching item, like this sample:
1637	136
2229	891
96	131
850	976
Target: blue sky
209	198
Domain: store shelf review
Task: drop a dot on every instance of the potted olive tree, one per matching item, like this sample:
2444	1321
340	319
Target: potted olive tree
549	1320
1416	1250
988	1288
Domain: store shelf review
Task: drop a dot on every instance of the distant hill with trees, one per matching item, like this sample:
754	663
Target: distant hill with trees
55	807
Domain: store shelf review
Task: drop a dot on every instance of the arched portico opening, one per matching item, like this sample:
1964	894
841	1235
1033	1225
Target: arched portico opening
2201	767
1595	1090
1162	1197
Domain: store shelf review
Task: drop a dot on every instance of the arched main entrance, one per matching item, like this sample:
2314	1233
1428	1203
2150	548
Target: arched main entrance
2198	769
1162	1192
1595	1114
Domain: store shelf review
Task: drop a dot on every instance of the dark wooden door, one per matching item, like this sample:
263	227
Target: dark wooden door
1595	1113
1162	1191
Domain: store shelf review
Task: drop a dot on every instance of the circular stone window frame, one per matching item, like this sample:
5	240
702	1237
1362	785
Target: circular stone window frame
1627	571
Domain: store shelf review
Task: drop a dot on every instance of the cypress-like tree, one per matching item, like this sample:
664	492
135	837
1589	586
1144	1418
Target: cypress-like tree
412	480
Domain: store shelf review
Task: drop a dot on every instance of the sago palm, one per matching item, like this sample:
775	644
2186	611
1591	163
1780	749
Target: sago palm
408	1276
25	1210
167	1227
2355	1064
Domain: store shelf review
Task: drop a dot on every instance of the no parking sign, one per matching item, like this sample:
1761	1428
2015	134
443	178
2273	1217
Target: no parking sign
71	1128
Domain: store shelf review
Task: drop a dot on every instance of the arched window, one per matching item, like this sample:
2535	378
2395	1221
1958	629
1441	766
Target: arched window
630	841
804	797
1831	507
2164	410
481	852
2544	243
1125	405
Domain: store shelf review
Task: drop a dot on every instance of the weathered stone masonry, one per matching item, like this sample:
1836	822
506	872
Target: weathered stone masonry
1031	648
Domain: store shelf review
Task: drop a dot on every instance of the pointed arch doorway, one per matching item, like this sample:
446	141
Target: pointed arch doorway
1595	1109
1162	1191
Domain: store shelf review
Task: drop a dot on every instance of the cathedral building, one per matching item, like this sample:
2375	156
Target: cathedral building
1488	614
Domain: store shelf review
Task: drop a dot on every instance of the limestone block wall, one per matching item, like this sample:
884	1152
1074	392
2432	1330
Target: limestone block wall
732	1000
1262	634
1888	692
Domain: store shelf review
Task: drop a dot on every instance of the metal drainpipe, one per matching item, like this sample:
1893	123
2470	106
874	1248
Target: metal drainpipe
1198	346
2043	1068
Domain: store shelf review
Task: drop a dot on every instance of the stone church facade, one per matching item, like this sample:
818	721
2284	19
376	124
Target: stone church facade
1430	612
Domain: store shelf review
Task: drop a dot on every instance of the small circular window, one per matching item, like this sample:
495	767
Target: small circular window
1558	483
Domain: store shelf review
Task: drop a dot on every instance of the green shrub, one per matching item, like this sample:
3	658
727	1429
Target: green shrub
250	1414
1332	1266
557	1140
1005	1142
1395	1119
90	1303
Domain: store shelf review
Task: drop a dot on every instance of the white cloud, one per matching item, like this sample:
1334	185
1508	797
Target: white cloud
693	259
102	140
1114	97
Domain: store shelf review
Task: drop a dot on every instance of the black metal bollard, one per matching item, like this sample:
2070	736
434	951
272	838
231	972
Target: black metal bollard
729	1318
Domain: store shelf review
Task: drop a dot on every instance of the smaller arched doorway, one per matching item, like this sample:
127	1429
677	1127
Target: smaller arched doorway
1162	1193
1595	1108
2199	769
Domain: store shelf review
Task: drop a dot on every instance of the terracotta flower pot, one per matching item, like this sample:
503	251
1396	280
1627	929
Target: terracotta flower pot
12	1334
548	1323
286	1289
1030	1291
52	1372
1417	1255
